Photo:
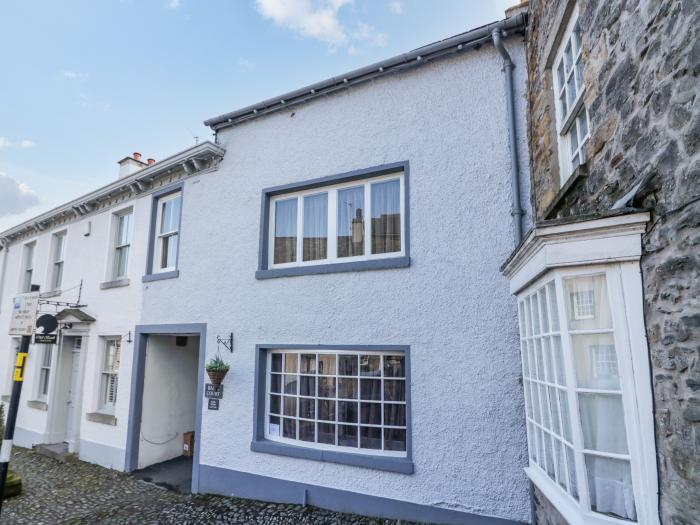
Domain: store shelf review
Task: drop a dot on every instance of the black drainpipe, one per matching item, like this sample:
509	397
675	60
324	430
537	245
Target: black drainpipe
516	209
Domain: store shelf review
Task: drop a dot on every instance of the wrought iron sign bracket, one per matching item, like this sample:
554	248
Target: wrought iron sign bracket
226	341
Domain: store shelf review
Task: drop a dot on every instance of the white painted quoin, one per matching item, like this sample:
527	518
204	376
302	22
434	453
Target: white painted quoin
63	397
404	326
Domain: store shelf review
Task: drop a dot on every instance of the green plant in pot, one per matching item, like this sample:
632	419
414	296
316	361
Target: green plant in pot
217	369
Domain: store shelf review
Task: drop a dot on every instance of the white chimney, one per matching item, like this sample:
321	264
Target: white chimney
129	165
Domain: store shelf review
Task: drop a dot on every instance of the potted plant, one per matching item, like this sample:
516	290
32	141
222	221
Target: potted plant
13	484
217	369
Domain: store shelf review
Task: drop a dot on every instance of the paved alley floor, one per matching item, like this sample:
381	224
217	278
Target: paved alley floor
80	493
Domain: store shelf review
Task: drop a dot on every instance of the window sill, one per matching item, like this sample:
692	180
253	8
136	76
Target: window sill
579	173
389	464
355	266
114	284
100	417
160	276
39	405
52	293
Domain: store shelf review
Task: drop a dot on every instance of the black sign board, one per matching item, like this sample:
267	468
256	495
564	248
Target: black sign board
214	391
46	326
213	404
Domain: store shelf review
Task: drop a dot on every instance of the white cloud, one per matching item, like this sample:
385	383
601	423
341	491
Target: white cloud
15	197
245	65
320	20
173	4
20	144
396	7
74	75
86	101
369	34
317	20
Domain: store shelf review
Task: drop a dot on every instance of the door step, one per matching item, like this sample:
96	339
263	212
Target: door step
57	451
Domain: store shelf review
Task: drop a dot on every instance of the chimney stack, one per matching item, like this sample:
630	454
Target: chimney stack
129	165
151	162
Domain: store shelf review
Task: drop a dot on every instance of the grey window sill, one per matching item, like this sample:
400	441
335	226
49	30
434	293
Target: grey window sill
52	293
579	173
160	276
114	284
355	266
39	405
400	465
99	417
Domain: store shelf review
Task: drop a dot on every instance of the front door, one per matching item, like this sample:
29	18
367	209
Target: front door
73	408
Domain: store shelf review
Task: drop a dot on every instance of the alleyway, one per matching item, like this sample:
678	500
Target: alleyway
80	493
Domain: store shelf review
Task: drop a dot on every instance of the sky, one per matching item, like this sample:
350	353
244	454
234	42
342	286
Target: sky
86	83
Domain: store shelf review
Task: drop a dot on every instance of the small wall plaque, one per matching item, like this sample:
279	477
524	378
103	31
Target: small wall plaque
214	391
213	404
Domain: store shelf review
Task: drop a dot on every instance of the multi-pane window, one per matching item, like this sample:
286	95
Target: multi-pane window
57	255
27	268
45	372
109	378
167	232
330	224
122	244
339	400
572	116
576	417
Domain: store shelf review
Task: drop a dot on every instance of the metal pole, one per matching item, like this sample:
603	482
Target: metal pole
18	380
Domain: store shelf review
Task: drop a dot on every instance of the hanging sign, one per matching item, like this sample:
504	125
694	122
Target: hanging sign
213	404
214	391
23	314
46	327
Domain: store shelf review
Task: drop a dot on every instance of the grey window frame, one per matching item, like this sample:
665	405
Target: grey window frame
264	272
403	465
150	275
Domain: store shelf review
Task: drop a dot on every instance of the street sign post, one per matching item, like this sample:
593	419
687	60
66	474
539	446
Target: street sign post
21	323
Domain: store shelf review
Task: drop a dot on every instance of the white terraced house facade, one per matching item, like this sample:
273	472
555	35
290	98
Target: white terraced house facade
339	247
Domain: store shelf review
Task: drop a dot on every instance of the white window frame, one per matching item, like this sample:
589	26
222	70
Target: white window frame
45	370
116	246
575	119
332	240
105	374
159	235
337	448
28	253
57	260
610	245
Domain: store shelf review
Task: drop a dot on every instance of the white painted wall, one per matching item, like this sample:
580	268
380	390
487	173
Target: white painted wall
452	306
169	398
116	310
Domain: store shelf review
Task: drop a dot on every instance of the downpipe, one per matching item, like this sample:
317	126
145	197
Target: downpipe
516	208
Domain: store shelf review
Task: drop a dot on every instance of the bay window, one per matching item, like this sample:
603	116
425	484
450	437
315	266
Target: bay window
346	220
571	114
586	375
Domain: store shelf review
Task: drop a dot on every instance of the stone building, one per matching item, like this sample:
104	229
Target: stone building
614	122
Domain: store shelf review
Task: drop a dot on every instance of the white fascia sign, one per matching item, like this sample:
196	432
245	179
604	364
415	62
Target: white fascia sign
23	314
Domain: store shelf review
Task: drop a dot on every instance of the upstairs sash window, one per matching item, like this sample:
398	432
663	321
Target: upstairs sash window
329	224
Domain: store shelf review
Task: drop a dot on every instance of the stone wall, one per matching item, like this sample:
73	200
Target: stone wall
642	61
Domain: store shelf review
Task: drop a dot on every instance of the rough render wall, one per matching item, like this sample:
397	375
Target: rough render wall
642	65
451	306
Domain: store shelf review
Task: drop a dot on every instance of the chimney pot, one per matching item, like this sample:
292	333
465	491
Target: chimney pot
137	155
151	162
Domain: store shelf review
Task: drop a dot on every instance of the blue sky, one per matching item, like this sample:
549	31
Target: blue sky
85	83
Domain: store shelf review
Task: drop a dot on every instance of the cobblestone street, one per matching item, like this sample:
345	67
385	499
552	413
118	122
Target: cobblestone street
81	493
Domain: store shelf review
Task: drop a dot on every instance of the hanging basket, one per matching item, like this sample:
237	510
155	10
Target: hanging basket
216	376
